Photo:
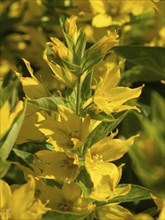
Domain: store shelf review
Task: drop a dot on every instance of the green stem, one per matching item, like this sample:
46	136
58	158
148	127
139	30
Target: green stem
78	96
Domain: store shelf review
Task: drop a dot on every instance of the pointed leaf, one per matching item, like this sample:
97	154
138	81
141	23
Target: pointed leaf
151	58
136	193
48	103
86	90
59	215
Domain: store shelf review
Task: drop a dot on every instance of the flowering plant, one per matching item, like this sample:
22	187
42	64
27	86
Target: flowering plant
71	145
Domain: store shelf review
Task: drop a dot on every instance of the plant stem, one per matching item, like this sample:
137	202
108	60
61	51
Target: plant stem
78	95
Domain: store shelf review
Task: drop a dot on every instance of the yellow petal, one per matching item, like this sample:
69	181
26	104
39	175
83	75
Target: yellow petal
162	213
28	131
110	150
5	121
114	100
108	81
7	117
57	164
97	6
71	191
24	196
5	195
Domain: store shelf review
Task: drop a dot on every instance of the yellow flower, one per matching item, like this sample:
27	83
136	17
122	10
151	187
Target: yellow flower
117	12
162	213
7	118
110	98
104	175
71	28
105	178
103	45
28	131
31	86
20	204
70	132
57	49
109	149
67	199
33	89
57	165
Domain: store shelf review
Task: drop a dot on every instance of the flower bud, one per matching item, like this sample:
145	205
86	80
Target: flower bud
71	28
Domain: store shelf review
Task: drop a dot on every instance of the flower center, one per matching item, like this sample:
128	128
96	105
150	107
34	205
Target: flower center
98	157
70	143
67	163
65	205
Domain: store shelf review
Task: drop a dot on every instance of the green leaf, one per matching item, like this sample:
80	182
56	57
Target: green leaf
136	193
149	167
27	157
158	110
73	68
59	215
69	41
22	157
80	46
48	103
6	91
84	181
4	166
33	147
90	61
139	18
7	144
140	73
152	211
86	86
151	58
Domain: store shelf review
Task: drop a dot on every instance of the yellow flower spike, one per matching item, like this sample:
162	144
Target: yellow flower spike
110	98
20	204
7	117
58	165
71	28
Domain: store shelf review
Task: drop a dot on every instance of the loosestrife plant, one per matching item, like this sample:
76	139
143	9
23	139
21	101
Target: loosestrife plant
71	172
